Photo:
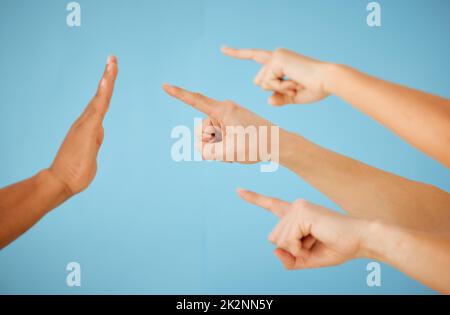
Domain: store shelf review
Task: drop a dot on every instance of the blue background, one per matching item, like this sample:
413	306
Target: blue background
151	225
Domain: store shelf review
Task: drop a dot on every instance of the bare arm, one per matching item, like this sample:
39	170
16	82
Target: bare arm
364	191
311	236
423	256
422	119
74	168
26	202
360	189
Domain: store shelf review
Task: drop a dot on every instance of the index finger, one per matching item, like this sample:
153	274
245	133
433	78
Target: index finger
258	55
200	102
274	205
102	98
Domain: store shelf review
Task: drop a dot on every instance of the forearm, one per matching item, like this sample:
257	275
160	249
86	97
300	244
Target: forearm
420	118
364	191
24	203
423	256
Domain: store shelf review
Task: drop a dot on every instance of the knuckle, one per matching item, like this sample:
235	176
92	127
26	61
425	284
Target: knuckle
280	51
283	244
271	204
92	110
301	204
98	98
294	248
266	86
96	115
230	106
78	123
197	95
228	103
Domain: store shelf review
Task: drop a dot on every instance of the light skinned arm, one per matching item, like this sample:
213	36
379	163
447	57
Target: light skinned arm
73	169
311	236
420	118
363	191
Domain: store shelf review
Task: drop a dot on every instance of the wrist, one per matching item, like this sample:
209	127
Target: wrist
51	190
331	74
289	148
372	243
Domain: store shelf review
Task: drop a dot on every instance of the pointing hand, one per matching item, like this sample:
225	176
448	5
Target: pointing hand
293	78
308	235
231	133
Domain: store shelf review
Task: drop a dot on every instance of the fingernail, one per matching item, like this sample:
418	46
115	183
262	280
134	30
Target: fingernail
109	59
241	190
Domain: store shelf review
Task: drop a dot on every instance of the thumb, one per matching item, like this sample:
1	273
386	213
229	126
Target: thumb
286	258
280	99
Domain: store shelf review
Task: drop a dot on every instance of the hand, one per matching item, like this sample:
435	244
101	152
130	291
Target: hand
293	78
223	135
75	164
308	235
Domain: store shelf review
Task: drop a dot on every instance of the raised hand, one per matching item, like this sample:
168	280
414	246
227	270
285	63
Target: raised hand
73	169
231	133
75	165
293	78
308	235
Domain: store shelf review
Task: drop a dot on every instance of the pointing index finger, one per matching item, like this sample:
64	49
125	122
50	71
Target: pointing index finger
274	205
258	55
200	102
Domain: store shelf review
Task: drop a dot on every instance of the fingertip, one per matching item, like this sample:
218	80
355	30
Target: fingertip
111	59
278	252
111	62
240	191
168	88
108	59
111	67
227	50
272	239
281	254
271	101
